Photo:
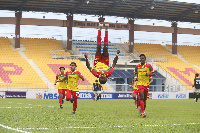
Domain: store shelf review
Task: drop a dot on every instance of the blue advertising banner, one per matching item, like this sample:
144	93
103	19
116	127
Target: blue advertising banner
123	96
90	95
86	95
15	94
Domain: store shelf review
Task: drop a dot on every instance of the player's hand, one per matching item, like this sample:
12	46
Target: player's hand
192	85
146	74
118	51
86	56
55	84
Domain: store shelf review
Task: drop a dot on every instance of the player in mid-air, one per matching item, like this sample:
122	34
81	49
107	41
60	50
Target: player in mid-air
196	89
101	68
72	78
62	86
143	72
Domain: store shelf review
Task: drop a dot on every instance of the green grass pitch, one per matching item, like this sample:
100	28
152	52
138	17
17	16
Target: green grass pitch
106	116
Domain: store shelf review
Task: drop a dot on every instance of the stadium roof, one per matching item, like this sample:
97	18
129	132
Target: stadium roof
143	9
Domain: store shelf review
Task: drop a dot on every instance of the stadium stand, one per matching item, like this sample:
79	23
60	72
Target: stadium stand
189	53
130	73
180	70
40	49
85	46
15	71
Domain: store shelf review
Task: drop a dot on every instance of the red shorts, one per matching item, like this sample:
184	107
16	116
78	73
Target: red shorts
135	91
102	59
61	91
143	88
70	93
75	94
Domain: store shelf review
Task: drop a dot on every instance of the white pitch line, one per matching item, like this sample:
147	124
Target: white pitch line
27	107
113	126
10	128
14	107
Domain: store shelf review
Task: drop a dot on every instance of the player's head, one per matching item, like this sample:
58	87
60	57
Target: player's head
102	78
96	80
142	58
73	66
62	69
196	75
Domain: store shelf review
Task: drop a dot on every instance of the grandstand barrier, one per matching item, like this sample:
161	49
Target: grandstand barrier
90	95
152	88
89	87
109	95
61	54
10	86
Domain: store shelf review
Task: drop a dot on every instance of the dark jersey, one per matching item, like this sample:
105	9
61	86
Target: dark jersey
100	87
197	83
96	86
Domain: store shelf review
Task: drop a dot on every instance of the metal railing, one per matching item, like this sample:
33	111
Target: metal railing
23	85
153	88
89	87
62	55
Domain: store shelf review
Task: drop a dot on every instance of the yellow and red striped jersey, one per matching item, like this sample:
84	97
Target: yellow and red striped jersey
73	78
61	85
141	70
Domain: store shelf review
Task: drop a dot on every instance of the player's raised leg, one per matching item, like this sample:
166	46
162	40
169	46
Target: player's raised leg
105	48
98	50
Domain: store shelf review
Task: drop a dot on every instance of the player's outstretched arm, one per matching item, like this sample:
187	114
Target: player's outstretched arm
65	78
115	59
87	62
81	77
150	74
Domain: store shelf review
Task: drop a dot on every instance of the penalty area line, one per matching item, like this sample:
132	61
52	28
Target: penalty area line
10	128
112	126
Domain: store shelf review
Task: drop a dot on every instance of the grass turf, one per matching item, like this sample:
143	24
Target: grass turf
101	116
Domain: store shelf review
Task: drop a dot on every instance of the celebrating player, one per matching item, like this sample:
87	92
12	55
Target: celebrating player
72	78
101	68
197	88
62	86
143	71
